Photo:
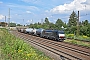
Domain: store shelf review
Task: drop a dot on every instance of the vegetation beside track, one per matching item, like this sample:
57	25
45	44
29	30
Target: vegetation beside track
12	48
81	38
86	44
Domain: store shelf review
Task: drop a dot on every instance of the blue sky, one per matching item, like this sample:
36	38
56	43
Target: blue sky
33	11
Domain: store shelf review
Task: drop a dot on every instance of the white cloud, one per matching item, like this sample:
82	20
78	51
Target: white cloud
1	17
1	2
46	11
32	8
32	1
28	21
28	12
13	21
88	2
16	14
29	0
22	7
75	5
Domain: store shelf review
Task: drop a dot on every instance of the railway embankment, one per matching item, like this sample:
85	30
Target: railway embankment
13	48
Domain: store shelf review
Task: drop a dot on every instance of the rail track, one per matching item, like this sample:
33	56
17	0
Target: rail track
62	50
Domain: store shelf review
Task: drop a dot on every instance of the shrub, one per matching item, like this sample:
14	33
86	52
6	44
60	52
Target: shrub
70	36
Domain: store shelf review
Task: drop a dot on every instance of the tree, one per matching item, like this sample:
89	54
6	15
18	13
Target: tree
31	26
83	30
71	30
3	24
46	24
12	24
19	25
72	19
46	21
51	26
88	30
85	23
59	23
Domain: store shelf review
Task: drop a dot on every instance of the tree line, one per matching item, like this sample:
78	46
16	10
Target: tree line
69	28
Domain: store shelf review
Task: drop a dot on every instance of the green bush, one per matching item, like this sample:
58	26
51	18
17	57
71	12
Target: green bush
70	36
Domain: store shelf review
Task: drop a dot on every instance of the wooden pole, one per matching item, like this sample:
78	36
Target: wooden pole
78	25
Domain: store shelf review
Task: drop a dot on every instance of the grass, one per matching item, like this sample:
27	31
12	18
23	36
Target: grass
72	36
12	48
78	43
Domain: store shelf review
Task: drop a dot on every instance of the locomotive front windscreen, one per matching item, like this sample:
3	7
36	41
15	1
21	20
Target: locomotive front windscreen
60	32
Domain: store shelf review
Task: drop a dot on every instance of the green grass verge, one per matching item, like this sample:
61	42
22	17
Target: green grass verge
78	42
72	36
12	48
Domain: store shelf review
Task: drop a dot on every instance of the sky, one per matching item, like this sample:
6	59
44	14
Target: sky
33	11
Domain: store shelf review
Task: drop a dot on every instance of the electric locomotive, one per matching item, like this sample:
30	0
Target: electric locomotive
54	34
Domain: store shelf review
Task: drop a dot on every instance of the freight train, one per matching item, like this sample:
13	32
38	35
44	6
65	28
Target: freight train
49	34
